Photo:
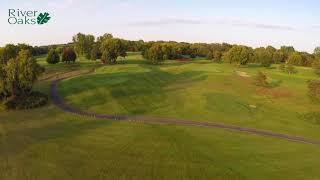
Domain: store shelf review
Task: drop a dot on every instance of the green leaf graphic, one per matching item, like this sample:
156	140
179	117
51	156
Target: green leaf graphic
43	18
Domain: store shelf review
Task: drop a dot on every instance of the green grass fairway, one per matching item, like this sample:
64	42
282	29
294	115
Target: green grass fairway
49	144
200	91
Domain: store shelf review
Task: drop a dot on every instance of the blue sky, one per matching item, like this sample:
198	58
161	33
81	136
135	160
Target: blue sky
248	22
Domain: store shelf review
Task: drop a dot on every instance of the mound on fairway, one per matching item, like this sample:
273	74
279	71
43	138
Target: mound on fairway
199	91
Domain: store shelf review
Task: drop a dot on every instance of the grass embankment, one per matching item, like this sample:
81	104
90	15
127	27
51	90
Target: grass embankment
47	143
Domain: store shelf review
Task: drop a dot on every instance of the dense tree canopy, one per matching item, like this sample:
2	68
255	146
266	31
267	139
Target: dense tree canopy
111	49
8	52
95	52
53	57
317	52
83	44
239	55
287	50
263	56
155	54
294	59
19	74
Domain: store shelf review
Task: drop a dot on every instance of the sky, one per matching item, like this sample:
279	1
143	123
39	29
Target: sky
247	22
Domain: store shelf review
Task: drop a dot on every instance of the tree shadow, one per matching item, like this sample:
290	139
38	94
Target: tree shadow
252	65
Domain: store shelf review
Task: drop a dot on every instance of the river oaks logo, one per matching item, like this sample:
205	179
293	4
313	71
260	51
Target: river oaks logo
17	16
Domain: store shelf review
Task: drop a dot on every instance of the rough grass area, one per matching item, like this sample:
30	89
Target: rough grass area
48	144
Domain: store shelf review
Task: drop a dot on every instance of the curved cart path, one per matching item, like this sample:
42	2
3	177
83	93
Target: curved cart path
59	102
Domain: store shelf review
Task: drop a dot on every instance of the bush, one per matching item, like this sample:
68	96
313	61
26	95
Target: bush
261	79
217	57
290	69
312	117
53	57
33	100
314	90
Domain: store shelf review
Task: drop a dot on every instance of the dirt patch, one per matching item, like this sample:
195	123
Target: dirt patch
243	74
277	92
184	59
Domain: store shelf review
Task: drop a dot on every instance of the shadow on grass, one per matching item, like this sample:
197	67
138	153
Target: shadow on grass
275	83
137	92
252	66
17	141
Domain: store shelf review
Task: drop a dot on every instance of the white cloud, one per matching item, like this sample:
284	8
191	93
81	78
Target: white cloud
220	21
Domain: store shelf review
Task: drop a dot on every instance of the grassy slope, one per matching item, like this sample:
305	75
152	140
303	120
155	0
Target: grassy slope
49	144
198	91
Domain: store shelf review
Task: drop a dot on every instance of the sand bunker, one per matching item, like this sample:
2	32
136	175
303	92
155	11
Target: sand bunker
243	74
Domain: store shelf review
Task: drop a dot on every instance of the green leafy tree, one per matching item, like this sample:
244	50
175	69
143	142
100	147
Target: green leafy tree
8	52
239	55
210	55
20	74
59	49
263	56
53	57
271	49
124	48
83	44
217	56
155	54
287	50
101	39
295	59
316	52
3	83
199	49
307	59
111	49
278	57
94	54
68	55
104	37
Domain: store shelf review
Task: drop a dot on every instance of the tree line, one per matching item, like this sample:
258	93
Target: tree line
108	49
19	69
